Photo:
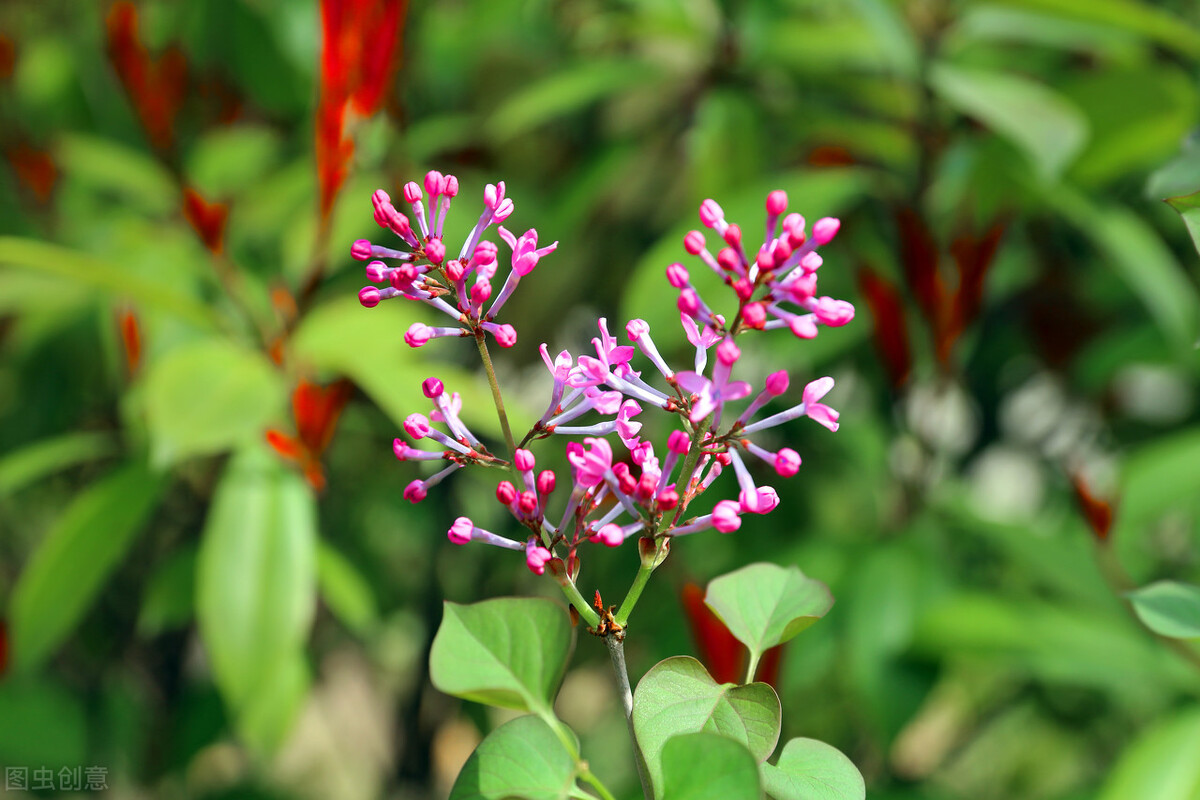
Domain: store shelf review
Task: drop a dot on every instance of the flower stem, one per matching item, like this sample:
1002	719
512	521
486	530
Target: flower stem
616	652
588	614
753	668
568	742
499	400
634	593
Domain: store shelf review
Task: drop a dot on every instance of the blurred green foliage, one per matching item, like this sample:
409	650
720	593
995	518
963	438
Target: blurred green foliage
159	566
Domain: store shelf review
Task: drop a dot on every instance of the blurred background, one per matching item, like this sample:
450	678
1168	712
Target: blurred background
210	585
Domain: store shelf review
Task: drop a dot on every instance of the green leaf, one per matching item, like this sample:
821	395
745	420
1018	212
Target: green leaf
78	554
30	464
1140	258
679	696
256	590
509	652
564	92
1188	206
811	770
99	273
1042	123
169	602
765	604
708	766
1128	15
209	396
1161	763
229	160
345	590
522	758
41	722
112	168
1169	608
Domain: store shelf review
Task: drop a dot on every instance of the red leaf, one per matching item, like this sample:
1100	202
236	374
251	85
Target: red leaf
285	445
131	338
830	155
157	87
1097	512
768	666
317	409
358	60
8	57
35	169
890	332
207	219
720	652
973	257
919	259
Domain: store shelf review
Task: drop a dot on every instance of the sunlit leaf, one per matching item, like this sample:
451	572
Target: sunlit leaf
1169	608
1129	15
111	167
707	766
70	566
41	459
522	758
1160	763
1188	207
509	652
228	160
811	770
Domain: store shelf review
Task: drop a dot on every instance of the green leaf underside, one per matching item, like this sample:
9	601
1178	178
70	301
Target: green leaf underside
509	652
1169	608
811	770
255	592
765	604
678	696
76	557
708	766
1188	206
522	758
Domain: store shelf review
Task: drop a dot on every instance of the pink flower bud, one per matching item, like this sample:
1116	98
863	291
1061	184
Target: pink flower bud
434	183
803	287
418	334
667	499
646	485
493	194
762	501
825	229
485	253
360	250
636	329
412	192
693	242
728	259
416	426
506	336
688	302
460	531
481	290
504	210
725	516
610	535
375	271
777	202
369	296
783	251
797	238
733	235
833	313
524	461
545	482
400	449
766	259
724	459
527	502
455	270
743	288
415	492
536	557
787	462
777	383
625	480
451	187
677	276
755	315
710	213
679	442
506	492
432	387
728	352
811	262
803	327
435	251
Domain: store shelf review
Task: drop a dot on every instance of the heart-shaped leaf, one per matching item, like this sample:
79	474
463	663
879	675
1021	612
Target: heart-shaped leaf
522	758
678	696
509	652
1169	608
812	770
708	766
765	604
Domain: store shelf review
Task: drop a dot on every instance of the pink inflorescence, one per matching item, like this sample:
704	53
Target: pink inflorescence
600	396
777	286
422	269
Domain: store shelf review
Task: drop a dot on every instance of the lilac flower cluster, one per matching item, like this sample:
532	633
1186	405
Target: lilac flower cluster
423	272
599	397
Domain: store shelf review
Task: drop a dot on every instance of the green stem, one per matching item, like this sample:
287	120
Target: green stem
616	652
499	400
588	614
567	739
753	668
634	593
689	465
587	777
